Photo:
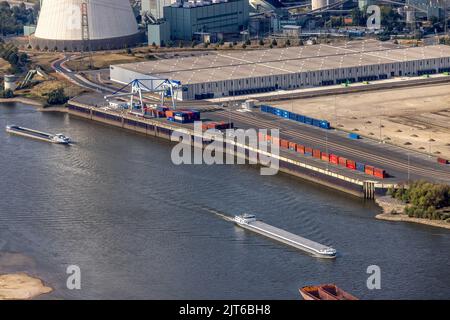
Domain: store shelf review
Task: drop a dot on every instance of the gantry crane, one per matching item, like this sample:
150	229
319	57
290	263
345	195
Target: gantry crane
164	87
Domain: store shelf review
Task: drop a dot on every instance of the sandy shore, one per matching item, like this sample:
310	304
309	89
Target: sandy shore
21	287
30	102
393	211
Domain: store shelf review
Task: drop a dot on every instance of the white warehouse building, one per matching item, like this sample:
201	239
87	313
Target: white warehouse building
231	73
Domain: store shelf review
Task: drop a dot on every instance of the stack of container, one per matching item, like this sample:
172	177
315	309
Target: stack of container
183	116
159	112
296	117
217	125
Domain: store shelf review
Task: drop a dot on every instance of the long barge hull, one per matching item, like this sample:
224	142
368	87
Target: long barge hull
288	238
31	134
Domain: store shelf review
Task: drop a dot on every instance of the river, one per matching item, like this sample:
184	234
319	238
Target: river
140	227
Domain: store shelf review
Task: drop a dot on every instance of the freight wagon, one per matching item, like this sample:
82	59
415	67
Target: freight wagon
331	158
296	117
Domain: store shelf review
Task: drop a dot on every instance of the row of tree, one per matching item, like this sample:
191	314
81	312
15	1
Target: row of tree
13	18
424	200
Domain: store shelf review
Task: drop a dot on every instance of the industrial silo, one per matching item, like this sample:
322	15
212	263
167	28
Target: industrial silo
80	25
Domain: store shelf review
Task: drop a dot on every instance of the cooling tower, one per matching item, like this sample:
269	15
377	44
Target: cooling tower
81	25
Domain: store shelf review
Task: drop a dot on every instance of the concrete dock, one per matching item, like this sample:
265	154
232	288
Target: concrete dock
291	163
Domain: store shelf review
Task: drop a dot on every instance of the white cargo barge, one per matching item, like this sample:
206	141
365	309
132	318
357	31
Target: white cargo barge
250	222
38	135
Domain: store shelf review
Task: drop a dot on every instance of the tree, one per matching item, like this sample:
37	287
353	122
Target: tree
57	96
6	94
288	42
425	199
274	42
261	42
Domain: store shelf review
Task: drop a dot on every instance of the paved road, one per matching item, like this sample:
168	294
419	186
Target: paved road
391	158
76	78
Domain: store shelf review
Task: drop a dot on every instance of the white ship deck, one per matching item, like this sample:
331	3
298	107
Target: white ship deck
287	236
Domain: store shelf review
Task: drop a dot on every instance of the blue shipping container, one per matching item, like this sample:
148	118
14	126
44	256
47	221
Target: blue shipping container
301	118
353	136
308	120
360	167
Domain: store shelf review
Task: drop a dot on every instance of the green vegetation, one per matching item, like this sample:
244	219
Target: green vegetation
57	96
10	53
424	200
13	18
6	94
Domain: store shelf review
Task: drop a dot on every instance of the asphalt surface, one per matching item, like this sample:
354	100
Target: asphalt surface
401	164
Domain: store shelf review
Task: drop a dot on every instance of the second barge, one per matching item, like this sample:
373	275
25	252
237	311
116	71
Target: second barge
250	222
34	134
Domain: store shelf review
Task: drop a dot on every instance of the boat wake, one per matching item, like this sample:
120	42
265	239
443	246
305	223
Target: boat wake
219	214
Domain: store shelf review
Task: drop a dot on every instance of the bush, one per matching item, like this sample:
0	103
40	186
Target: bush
6	94
427	200
57	96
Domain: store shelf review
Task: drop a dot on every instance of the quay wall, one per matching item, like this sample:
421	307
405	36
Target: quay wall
155	128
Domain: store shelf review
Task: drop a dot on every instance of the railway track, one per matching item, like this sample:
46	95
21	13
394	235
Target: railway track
257	122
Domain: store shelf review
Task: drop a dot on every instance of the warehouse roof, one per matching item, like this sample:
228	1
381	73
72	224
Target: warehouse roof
221	66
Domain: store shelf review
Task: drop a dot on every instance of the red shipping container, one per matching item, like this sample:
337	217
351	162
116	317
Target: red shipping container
379	173
351	164
268	138
317	153
342	161
369	170
442	160
325	157
308	150
284	143
334	159
292	146
301	149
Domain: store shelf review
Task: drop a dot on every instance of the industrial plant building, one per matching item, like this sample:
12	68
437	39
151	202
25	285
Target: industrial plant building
219	74
79	25
213	17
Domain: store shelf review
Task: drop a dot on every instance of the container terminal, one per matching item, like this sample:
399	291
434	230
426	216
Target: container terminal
249	222
397	165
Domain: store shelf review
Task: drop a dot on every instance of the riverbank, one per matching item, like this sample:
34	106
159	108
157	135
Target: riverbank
393	211
22	100
21	286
